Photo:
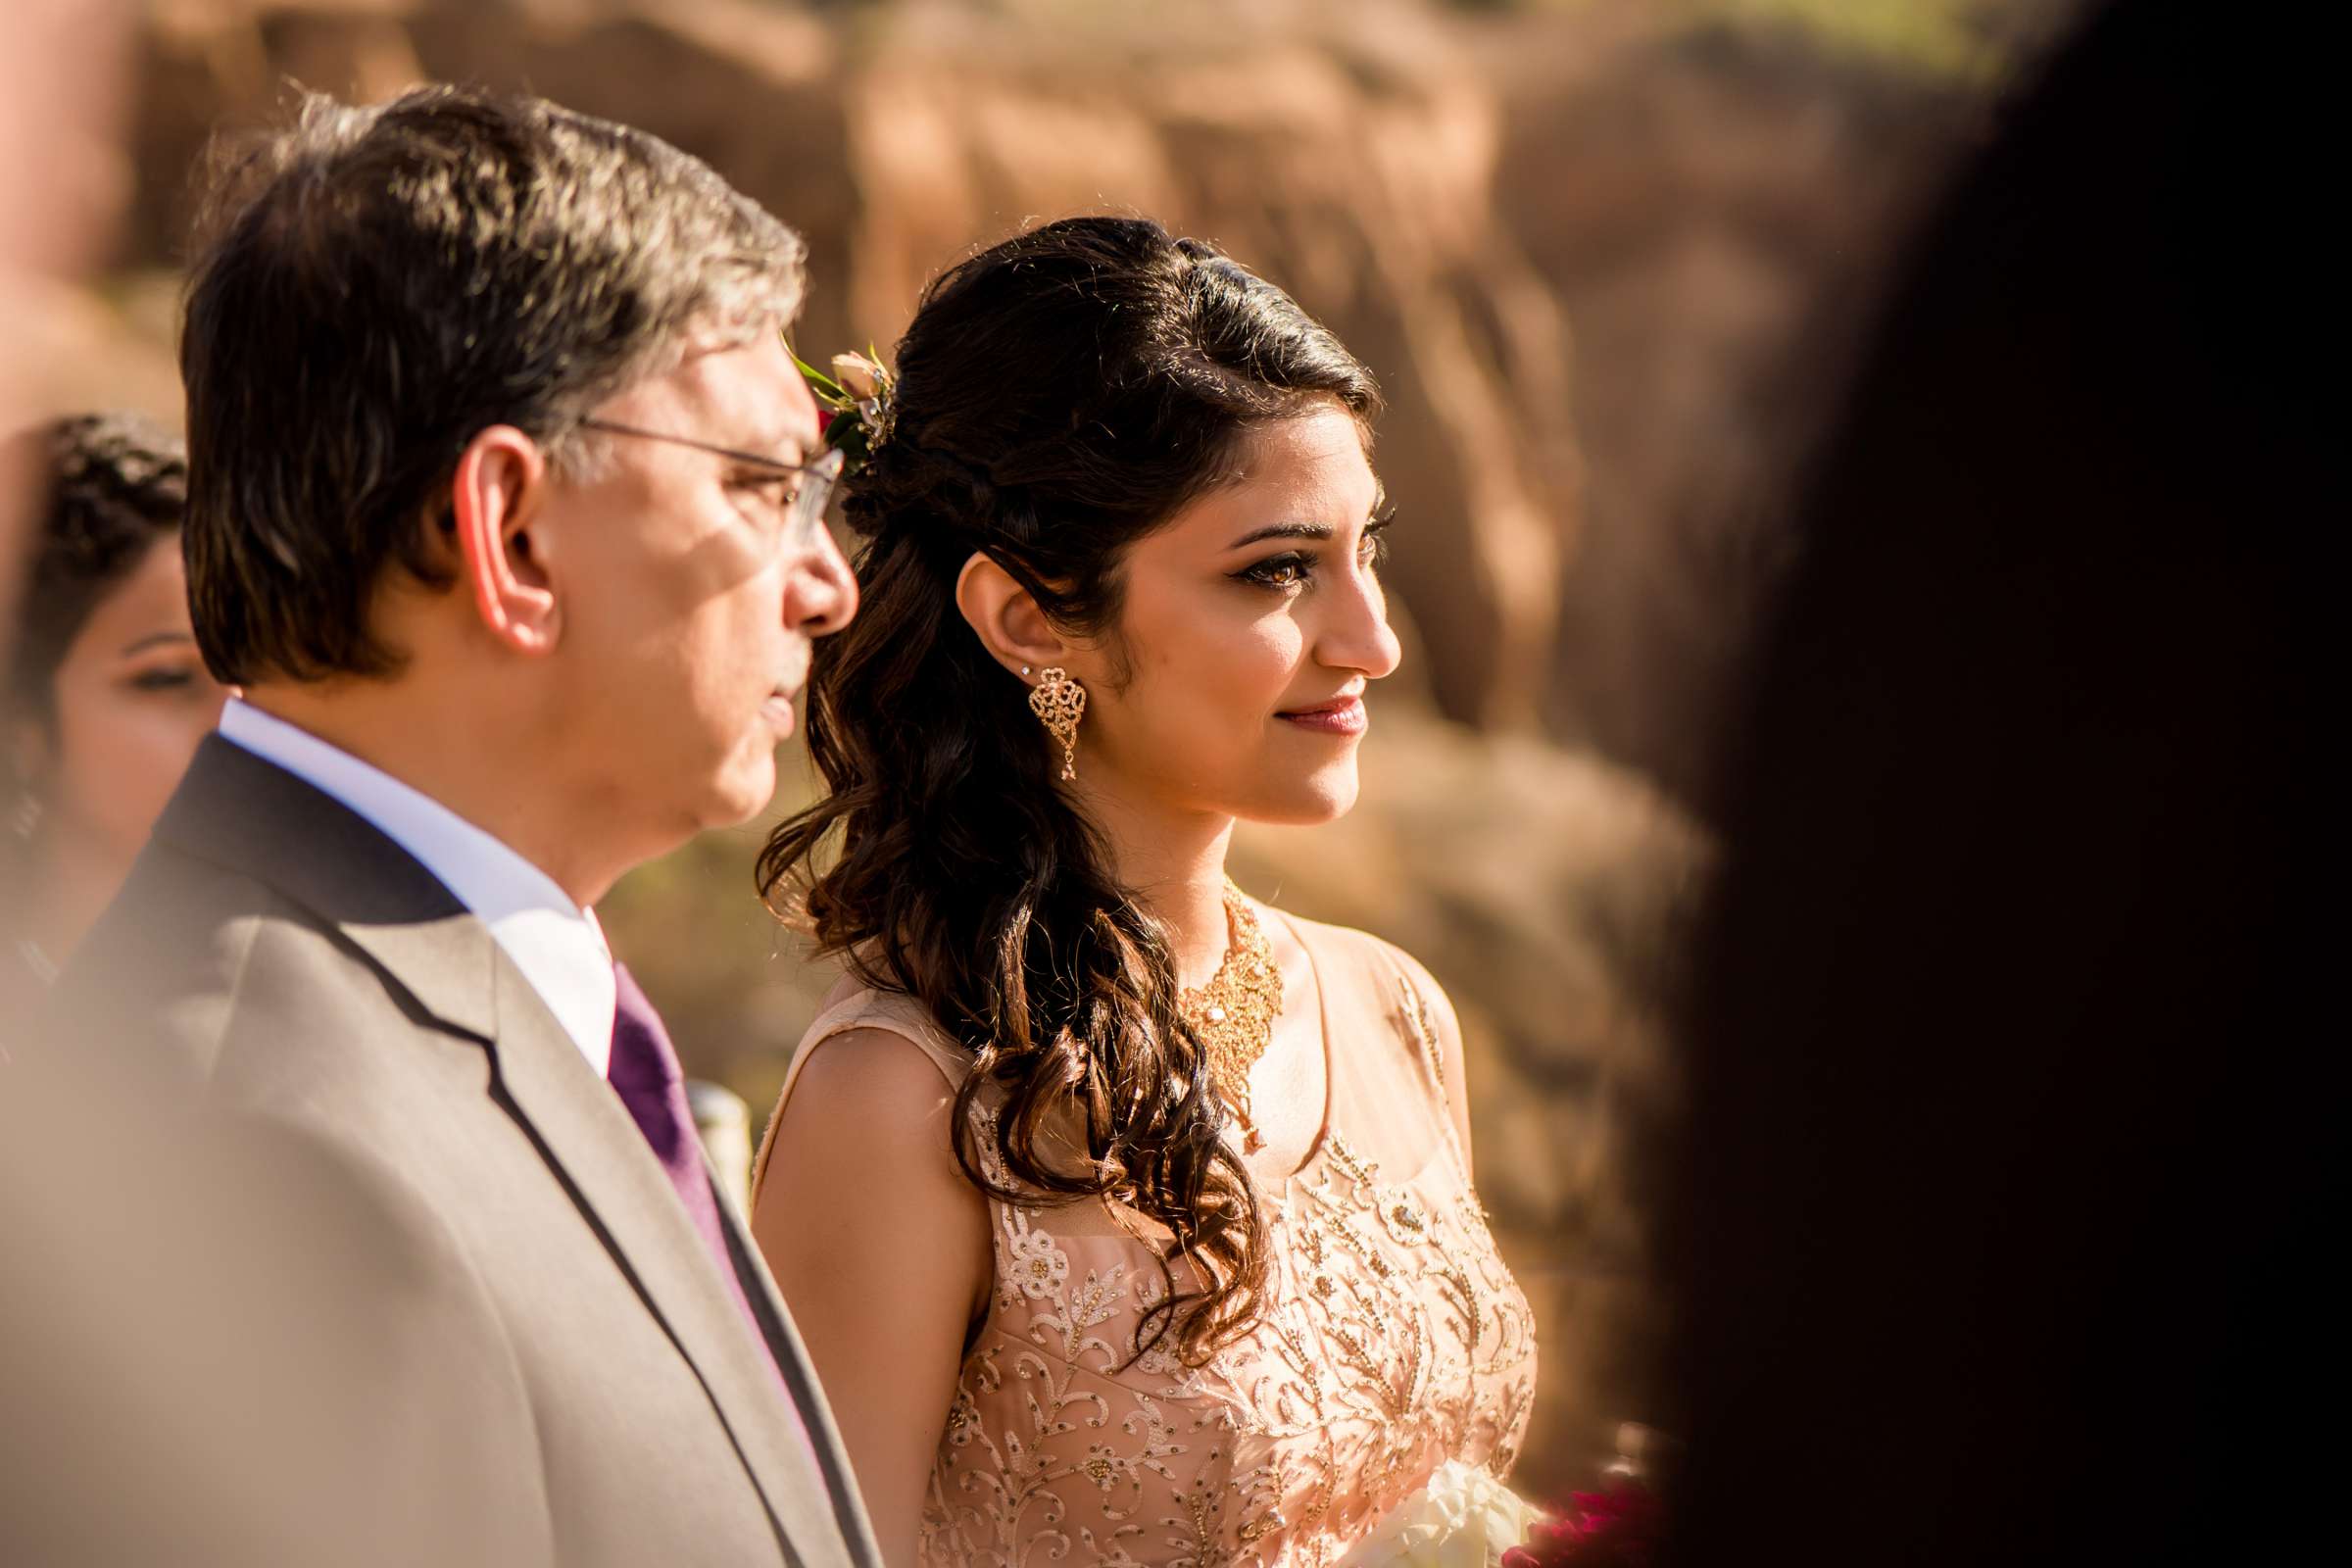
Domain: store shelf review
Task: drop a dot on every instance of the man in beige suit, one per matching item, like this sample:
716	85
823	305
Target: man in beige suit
507	515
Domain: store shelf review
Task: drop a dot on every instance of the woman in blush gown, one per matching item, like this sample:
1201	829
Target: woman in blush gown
1128	1219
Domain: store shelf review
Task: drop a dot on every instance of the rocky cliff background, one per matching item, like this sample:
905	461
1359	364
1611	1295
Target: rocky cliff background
1600	253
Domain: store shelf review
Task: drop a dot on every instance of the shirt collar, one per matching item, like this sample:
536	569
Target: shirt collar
557	945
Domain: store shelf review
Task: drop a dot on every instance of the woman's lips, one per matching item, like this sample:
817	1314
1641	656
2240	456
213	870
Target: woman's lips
1343	715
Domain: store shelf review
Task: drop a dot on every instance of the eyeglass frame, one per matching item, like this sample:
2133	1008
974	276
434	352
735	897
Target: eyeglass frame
806	522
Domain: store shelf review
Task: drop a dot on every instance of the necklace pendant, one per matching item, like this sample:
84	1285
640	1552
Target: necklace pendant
1233	1015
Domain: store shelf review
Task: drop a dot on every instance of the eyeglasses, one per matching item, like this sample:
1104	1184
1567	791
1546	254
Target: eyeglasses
810	499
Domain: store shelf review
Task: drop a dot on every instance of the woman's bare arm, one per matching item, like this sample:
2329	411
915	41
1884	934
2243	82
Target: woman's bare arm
881	1249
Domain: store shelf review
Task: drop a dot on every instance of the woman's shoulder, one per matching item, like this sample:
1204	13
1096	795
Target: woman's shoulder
868	1040
872	1059
855	1008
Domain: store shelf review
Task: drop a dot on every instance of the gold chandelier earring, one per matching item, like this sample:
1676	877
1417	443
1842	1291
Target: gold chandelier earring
1058	702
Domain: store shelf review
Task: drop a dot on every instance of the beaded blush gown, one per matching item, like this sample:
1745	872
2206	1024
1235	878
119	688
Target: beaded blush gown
1393	1341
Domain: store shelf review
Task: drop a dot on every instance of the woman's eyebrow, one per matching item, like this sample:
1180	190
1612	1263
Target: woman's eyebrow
156	639
1282	530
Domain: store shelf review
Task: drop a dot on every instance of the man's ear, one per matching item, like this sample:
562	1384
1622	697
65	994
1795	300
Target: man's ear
498	495
1006	618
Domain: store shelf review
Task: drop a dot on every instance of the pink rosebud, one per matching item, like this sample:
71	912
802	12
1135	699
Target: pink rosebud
860	377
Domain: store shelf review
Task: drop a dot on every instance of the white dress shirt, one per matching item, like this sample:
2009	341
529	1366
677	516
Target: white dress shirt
557	946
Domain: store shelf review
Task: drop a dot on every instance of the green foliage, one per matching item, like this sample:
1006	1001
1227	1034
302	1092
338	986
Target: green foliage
1952	38
859	402
1944	38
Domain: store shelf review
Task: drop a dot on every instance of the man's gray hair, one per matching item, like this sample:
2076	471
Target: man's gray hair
374	286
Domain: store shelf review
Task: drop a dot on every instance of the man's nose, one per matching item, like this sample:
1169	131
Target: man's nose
820	591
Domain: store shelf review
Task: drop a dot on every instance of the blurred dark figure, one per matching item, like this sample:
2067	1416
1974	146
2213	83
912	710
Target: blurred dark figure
2006	1142
210	1337
179	1378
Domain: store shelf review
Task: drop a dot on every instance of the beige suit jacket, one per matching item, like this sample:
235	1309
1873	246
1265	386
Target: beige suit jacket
560	1353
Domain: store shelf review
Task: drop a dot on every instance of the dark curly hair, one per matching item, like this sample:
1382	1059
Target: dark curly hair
117	487
1059	397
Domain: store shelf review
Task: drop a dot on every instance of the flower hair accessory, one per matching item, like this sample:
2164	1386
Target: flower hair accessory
854	404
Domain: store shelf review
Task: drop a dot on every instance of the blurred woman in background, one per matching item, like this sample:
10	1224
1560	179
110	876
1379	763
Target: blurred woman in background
1128	1219
106	696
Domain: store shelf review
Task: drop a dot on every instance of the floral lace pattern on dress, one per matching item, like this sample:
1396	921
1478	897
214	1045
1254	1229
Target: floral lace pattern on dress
1393	1341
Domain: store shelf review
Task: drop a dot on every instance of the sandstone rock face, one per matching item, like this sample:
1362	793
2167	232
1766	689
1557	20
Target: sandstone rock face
62	92
1713	205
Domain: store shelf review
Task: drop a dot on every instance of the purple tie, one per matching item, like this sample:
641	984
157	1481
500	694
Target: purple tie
645	1073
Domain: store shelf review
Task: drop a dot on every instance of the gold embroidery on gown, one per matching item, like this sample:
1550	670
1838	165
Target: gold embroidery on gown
1393	1337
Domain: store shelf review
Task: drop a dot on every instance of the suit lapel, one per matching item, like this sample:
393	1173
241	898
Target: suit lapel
586	1135
237	811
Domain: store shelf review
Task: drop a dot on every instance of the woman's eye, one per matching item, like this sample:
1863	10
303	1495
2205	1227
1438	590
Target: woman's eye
1278	571
1375	545
163	680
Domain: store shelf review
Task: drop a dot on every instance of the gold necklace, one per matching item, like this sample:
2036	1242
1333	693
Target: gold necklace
1234	1013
